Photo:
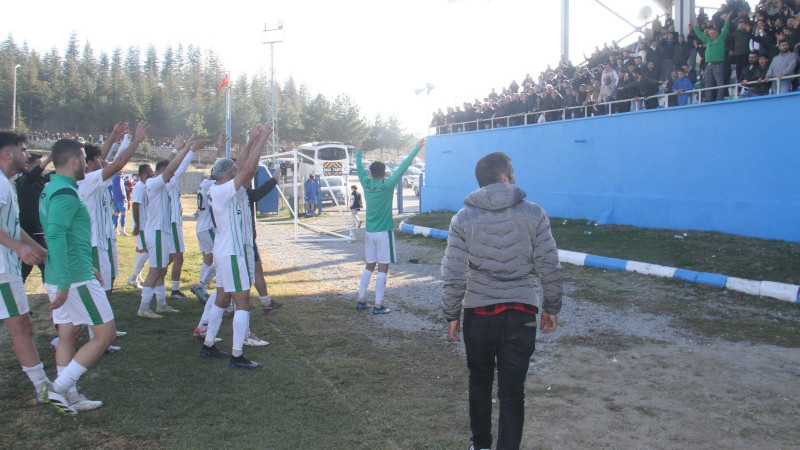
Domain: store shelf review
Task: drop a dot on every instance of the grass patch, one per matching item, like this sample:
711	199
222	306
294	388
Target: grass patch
739	256
333	378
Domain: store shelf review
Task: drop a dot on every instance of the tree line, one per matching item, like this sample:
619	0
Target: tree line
84	93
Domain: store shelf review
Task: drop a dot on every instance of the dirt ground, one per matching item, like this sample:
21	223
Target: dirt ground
637	362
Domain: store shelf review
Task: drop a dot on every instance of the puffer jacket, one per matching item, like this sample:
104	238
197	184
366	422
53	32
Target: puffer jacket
498	244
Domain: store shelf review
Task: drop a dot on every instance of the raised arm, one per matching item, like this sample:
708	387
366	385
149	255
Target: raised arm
193	146
173	165
120	129
222	141
250	165
406	162
120	162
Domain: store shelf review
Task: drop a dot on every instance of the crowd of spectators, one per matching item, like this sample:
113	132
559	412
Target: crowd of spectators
736	45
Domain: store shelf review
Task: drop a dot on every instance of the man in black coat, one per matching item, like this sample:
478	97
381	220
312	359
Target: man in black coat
29	188
646	87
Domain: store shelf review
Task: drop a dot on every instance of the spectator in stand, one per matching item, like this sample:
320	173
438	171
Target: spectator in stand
571	102
469	117
656	56
646	89
681	87
553	104
715	58
609	71
691	74
590	103
607	92
681	51
668	21
702	18
782	65
437	122
650	71
672	100
513	87
741	47
756	70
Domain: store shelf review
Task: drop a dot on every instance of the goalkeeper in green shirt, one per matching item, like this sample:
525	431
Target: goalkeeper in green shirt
379	238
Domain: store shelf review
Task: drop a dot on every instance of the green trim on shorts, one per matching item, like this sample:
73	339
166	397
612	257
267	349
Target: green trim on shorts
88	303
95	258
144	241
391	247
211	232
247	264
8	299
158	249
175	241
111	260
237	282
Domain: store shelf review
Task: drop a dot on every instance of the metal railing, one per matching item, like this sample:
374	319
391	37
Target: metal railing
599	109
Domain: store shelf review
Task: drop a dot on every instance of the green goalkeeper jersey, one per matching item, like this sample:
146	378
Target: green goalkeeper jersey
378	193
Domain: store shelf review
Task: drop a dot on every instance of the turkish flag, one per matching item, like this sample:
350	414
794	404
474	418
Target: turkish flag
224	83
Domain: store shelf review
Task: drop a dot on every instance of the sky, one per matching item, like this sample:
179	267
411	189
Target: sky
376	51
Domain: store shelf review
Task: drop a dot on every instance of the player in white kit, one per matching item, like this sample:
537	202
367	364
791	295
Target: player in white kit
233	246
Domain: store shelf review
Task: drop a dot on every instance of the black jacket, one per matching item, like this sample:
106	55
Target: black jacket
29	189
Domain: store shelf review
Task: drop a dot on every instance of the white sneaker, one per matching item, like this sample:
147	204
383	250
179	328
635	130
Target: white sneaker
113	349
148	314
79	402
134	283
57	399
253	341
162	309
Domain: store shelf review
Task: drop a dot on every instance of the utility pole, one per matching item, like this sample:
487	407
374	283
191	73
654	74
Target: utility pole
272	36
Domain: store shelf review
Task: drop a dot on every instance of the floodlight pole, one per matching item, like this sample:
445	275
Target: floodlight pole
272	108
14	102
565	29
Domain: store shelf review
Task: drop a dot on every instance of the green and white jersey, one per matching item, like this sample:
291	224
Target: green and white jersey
231	223
94	193
158	205
9	222
137	196
203	208
176	210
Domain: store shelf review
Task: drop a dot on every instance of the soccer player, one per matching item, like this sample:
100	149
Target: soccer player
16	246
76	296
139	212
205	230
94	192
158	233
379	238
233	249
177	245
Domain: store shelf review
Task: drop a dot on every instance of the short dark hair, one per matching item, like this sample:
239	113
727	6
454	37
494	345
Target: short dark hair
143	169
92	152
162	164
64	149
377	169
10	139
490	167
33	158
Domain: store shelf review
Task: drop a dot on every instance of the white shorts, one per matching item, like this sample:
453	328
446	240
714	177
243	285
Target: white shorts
158	246
86	304
141	245
176	243
105	260
380	247
235	273
205	239
13	299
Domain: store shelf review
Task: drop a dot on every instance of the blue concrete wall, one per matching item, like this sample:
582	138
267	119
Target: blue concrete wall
732	166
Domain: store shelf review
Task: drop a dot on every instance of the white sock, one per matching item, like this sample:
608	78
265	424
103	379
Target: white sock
362	288
68	377
203	271
161	295
203	325
210	274
60	369
54	342
176	285
214	322
139	260
36	375
147	297
91	334
266	300
380	288
241	323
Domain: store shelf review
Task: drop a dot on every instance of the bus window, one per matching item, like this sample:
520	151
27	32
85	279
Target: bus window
332	154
